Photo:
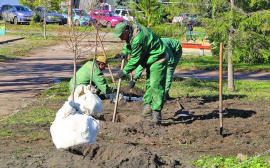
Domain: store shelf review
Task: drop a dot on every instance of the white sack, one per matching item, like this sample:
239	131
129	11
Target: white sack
69	108
74	130
89	103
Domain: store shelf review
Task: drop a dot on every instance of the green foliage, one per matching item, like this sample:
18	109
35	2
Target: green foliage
253	5
118	3
151	9
219	161
251	34
51	4
172	31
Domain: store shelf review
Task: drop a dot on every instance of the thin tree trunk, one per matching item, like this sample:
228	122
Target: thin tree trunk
230	53
94	59
69	13
45	36
149	13
75	48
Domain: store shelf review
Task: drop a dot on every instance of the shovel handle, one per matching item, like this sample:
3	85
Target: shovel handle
117	93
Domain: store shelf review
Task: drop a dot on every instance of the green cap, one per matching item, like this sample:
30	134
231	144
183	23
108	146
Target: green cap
119	29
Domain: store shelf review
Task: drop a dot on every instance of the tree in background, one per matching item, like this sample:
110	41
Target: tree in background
148	13
120	3
243	28
54	4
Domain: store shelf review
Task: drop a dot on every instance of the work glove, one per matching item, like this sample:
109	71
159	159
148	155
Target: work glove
123	56
121	74
117	56
132	83
120	56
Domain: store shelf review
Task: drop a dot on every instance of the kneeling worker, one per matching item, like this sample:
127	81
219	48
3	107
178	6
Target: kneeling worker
83	76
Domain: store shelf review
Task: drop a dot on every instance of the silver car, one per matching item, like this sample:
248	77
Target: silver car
17	14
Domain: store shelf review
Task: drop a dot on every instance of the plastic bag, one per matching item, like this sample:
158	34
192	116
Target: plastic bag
89	103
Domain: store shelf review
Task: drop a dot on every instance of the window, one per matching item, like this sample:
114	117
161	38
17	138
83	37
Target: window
117	12
102	14
4	7
22	8
95	13
124	13
111	14
80	12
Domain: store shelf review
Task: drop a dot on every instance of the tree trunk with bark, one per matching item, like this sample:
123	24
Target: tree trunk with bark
230	53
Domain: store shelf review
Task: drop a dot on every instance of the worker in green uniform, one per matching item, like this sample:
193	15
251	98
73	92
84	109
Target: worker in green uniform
83	76
147	50
174	50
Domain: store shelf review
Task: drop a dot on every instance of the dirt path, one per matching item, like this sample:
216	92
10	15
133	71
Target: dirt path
22	79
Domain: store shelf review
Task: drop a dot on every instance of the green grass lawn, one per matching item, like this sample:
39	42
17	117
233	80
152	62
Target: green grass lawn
219	161
53	27
22	47
212	63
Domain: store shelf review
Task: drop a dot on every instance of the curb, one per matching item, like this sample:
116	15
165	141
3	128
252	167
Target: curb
11	40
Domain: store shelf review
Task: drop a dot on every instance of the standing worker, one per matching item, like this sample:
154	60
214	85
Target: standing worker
174	50
147	50
83	76
190	28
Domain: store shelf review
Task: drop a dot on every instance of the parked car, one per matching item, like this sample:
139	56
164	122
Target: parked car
80	17
125	13
1	13
184	18
106	18
52	16
17	14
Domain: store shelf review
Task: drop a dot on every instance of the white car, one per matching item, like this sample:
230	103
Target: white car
124	13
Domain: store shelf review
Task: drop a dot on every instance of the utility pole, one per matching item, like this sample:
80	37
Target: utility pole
230	51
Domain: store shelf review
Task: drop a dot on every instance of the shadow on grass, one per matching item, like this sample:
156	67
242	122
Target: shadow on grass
4	58
214	98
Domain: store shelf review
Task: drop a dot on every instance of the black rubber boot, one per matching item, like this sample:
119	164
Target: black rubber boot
146	112
157	117
166	96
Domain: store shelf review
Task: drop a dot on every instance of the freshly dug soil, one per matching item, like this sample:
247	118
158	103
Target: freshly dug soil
133	141
134	92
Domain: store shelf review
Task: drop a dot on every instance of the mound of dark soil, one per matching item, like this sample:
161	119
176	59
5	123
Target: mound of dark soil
133	141
135	92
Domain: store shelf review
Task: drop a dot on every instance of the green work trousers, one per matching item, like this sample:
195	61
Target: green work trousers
155	85
170	71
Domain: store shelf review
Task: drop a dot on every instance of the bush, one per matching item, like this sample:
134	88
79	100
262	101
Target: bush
170	30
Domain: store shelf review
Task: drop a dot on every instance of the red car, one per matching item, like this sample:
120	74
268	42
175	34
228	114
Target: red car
106	18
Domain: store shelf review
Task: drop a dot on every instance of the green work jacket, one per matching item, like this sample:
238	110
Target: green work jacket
145	48
172	47
83	76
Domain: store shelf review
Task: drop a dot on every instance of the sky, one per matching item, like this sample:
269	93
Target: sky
3	2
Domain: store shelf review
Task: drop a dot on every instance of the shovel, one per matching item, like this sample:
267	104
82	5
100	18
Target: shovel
180	112
130	90
117	93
